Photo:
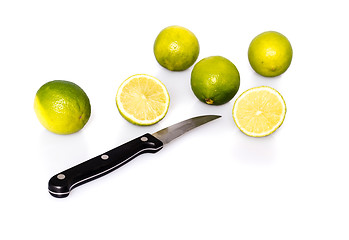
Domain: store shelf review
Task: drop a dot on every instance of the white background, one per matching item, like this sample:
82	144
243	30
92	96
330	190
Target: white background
212	183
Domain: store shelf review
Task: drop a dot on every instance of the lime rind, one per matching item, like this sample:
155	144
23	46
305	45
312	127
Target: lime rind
270	54
176	48
215	80
62	107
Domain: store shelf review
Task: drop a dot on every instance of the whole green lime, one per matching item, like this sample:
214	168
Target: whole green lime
62	107
215	80
270	54
176	48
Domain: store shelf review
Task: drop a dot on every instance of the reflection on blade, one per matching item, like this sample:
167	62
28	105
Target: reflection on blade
166	135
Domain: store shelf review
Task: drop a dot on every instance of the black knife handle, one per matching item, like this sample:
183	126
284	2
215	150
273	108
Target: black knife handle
62	183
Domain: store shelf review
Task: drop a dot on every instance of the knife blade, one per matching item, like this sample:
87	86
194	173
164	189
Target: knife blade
61	184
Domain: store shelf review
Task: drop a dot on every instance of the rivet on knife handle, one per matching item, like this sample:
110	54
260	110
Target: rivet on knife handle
62	183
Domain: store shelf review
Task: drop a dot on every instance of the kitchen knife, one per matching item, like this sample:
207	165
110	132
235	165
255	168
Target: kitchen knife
62	183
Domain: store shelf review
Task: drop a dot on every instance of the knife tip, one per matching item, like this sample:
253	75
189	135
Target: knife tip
211	117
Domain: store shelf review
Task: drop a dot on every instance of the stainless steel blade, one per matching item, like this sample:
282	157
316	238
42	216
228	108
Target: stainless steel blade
166	135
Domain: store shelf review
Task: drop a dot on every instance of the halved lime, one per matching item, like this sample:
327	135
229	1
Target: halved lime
142	99
259	111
